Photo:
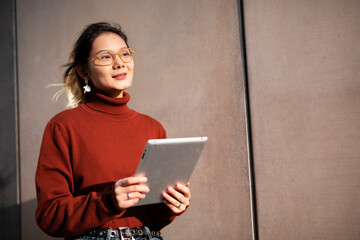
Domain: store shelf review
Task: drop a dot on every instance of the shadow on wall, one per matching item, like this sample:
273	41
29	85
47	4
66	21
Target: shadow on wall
9	209
9	225
29	228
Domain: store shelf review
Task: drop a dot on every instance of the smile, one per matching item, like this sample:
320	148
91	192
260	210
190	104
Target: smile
120	76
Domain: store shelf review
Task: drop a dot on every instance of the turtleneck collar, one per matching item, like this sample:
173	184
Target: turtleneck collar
108	105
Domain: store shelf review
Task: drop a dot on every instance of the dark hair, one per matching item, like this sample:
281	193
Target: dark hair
84	43
73	82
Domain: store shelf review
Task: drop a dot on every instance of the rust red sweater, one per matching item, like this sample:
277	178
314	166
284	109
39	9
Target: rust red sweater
84	151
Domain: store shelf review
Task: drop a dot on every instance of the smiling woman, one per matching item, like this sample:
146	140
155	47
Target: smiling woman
84	183
112	67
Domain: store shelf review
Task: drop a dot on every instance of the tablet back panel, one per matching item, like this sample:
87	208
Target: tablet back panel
166	162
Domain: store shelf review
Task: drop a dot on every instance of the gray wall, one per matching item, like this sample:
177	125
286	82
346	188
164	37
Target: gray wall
303	71
304	75
188	75
9	194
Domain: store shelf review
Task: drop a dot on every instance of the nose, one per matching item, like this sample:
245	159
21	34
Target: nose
118	63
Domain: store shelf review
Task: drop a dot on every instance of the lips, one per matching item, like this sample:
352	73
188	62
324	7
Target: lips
120	76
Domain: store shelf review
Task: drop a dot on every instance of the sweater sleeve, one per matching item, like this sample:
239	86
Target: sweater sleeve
59	212
161	215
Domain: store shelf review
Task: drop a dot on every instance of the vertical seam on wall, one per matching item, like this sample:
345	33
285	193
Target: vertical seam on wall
254	221
17	121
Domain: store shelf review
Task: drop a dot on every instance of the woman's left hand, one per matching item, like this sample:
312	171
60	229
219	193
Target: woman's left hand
177	198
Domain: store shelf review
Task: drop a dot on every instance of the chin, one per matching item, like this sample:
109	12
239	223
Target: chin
124	86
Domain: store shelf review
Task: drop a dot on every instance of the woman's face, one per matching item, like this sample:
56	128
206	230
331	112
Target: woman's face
114	79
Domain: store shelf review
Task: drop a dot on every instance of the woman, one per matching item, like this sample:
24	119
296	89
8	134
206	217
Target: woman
89	153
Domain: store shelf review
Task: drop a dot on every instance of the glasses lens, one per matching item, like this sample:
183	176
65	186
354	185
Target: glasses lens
104	58
108	58
126	55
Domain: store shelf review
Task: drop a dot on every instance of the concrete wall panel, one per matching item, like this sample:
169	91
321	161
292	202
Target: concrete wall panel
304	72
9	174
188	75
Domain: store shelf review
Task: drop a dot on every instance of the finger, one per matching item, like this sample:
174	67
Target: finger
183	189
136	188
175	209
174	202
131	181
123	197
134	195
132	188
125	202
128	203
178	196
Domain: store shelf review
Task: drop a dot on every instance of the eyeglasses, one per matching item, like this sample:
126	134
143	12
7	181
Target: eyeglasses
106	58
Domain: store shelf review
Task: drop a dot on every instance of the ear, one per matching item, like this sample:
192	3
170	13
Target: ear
82	72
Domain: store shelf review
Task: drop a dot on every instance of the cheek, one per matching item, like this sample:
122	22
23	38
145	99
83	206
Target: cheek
98	75
131	66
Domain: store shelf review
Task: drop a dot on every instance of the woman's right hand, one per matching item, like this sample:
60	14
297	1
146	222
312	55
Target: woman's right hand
128	191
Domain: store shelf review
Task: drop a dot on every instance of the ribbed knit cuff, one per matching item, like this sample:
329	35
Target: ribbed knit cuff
110	201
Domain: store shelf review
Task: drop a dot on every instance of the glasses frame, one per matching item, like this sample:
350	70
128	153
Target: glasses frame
113	54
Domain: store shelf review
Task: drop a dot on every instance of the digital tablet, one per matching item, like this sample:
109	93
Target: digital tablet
166	162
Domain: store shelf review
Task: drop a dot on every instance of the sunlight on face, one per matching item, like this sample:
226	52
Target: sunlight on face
110	80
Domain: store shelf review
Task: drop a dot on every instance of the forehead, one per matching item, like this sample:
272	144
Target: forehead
107	41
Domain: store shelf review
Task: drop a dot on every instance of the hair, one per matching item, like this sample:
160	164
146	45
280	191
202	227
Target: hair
73	83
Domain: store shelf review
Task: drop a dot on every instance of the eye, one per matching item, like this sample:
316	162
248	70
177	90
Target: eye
105	56
125	54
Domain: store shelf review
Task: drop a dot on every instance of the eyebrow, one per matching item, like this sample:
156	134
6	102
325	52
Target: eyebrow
104	50
108	50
